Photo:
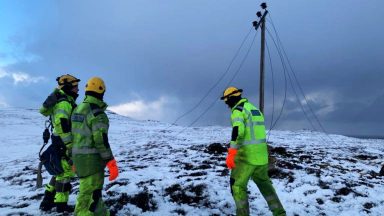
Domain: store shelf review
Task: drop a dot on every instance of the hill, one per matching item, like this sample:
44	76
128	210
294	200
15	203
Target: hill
164	172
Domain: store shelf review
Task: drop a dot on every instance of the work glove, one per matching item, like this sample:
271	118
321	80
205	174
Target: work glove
113	170
231	158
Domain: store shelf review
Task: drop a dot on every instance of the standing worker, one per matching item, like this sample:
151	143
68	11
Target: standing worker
59	106
247	155
91	151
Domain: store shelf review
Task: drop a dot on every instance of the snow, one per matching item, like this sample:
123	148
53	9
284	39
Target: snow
170	170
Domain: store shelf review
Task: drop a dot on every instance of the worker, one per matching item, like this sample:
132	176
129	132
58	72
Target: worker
59	106
247	155
91	151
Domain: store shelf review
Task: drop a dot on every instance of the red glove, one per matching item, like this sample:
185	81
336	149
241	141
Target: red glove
113	170
231	158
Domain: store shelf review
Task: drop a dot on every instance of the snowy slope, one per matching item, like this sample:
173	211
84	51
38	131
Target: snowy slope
165	172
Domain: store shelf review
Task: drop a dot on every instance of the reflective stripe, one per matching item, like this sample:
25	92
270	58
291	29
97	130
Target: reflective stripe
63	181
99	126
243	204
84	151
106	155
275	206
67	139
82	132
259	123
97	110
237	120
62	112
270	198
250	123
253	142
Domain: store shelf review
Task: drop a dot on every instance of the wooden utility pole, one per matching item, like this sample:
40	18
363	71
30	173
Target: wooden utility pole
262	50
262	56
261	23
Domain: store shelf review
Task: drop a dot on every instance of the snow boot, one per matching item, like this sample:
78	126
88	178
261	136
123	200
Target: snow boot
48	201
64	207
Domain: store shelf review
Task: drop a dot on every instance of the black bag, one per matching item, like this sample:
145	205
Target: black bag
51	157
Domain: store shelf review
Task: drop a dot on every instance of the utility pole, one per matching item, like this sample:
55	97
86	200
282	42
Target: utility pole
261	22
262	51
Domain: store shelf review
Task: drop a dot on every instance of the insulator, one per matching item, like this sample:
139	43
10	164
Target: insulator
263	5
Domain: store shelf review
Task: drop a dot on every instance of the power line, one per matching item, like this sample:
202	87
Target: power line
217	82
233	77
299	86
285	82
273	89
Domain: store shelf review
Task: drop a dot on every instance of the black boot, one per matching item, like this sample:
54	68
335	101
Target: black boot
48	201
64	207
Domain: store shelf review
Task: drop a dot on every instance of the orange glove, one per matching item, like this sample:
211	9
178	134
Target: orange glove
113	170
231	158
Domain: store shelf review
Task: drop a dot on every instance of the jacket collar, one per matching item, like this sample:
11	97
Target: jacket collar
94	100
243	100
70	98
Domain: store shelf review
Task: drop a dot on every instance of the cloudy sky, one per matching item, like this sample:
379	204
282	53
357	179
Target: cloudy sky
159	58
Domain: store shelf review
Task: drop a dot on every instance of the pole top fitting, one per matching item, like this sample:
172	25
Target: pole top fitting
263	5
258	14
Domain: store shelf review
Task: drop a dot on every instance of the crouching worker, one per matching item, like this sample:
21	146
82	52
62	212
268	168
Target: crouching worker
91	152
248	155
58	106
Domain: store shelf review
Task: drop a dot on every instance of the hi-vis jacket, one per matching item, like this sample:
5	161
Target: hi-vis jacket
60	115
91	150
248	134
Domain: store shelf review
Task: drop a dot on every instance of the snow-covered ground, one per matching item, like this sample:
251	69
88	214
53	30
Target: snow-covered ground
165	172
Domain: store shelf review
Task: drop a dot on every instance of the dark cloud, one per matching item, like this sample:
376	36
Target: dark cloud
180	49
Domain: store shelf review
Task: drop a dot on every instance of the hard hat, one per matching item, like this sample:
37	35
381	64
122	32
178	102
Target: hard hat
67	80
231	91
95	84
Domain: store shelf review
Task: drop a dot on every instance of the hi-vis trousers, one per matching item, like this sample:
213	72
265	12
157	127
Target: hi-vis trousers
240	176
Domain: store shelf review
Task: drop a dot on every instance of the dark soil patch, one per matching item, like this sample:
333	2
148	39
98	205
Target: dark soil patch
279	151
317	172
179	212
21	206
143	200
319	201
35	197
216	149
19	214
193	174
280	174
310	192
224	172
305	158
323	185
336	199
120	182
381	173
343	191
192	195
136	167
287	165
369	205
149	182
365	157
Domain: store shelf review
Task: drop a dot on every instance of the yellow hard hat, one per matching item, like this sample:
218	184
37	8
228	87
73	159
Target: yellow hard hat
95	84
231	91
67	80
